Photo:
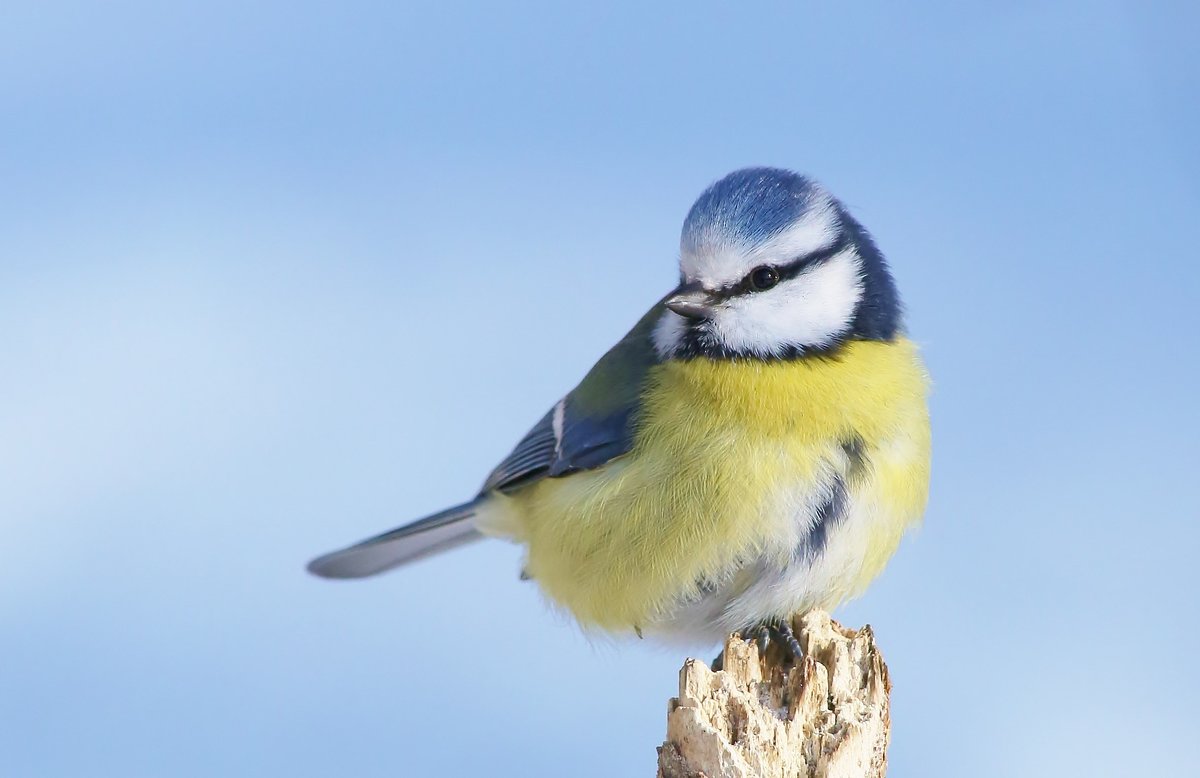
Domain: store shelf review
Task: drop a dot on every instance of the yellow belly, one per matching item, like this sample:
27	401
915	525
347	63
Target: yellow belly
699	492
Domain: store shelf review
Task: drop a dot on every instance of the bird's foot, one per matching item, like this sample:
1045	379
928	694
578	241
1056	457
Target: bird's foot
778	631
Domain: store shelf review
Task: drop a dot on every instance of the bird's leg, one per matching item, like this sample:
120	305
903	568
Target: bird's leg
778	630
785	633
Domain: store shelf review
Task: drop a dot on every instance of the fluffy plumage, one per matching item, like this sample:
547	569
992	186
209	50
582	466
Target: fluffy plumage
724	484
755	446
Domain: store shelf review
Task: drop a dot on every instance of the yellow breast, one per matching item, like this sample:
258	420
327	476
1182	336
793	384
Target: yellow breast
622	545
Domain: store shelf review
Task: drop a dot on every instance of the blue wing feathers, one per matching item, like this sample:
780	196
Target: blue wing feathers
529	460
589	442
598	417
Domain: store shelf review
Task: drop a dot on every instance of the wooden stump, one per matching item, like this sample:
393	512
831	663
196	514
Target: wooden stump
826	716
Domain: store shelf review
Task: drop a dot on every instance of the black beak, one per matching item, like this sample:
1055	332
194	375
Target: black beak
691	301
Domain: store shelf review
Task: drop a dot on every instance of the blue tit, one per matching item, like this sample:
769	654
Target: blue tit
755	447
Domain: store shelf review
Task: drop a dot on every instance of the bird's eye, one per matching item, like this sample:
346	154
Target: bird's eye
763	278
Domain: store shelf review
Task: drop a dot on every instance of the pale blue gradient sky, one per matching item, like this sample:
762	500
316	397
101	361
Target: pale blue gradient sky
274	279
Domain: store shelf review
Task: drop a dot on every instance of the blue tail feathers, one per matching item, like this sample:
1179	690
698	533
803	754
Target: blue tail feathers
431	535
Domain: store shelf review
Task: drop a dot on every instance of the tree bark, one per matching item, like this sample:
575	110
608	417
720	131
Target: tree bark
825	716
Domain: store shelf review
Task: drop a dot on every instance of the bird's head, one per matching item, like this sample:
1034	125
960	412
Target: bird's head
772	267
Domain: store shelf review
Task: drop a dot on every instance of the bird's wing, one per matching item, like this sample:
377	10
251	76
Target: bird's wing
592	425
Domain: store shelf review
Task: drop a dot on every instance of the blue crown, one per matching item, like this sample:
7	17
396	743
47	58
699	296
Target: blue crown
748	207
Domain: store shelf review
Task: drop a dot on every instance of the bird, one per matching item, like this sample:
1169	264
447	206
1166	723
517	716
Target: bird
755	447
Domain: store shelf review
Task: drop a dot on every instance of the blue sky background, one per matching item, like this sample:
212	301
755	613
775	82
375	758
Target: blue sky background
275	278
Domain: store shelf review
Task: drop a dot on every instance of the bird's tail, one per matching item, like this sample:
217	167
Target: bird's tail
431	535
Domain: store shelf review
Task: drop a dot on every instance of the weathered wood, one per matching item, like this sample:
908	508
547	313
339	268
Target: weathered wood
826	716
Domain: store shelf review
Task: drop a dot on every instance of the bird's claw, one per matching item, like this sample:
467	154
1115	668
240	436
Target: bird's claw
762	635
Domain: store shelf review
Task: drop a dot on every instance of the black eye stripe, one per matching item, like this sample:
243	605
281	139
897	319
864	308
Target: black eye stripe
788	270
797	266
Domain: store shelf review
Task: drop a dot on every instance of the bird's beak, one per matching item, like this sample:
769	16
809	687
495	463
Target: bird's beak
691	301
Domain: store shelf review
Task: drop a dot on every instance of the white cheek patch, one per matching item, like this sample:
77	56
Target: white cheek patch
722	261
809	311
668	334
